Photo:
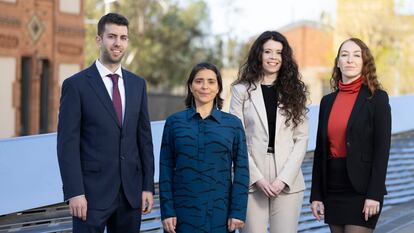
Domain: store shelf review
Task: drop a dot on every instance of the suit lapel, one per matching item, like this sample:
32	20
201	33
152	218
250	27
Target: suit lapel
362	97
98	86
327	113
258	102
279	120
128	96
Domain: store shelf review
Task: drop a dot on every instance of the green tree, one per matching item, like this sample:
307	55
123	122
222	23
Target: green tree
166	39
92	15
388	34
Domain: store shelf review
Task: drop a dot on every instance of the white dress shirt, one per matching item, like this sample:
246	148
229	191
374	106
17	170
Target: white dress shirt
103	71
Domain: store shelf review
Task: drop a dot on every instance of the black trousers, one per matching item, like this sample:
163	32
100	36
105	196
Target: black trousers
120	217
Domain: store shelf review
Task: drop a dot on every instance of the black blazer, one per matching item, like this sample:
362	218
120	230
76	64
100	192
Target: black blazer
368	137
95	154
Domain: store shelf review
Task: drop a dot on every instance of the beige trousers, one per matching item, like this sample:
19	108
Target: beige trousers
280	214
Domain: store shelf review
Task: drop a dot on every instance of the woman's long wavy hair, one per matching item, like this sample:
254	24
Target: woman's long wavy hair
291	89
369	71
189	99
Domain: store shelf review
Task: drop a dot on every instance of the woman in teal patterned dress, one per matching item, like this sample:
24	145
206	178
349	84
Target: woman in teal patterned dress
203	162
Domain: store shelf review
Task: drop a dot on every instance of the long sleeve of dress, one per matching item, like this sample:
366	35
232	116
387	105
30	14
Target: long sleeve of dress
240	187
167	167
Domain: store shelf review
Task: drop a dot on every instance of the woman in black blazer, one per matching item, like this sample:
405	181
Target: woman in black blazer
352	145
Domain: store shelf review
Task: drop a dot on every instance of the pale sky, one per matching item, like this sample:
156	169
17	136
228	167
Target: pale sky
247	18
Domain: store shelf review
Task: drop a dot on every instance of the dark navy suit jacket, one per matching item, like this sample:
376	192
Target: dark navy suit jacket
95	154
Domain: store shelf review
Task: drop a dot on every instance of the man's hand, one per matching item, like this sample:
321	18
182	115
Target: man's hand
371	208
169	224
78	207
147	202
233	224
278	186
266	188
318	210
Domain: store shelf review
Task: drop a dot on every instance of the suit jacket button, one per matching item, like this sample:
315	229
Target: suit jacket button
348	143
122	157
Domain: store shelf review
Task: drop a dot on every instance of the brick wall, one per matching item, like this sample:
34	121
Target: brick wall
37	29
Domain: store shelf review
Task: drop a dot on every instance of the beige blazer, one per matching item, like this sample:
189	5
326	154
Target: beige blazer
290	143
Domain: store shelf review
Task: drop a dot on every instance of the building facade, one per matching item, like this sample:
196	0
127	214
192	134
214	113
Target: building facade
312	45
41	44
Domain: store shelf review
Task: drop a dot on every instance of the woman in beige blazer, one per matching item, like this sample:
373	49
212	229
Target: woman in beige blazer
270	99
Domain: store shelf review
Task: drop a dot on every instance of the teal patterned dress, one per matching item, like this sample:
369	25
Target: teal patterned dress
204	172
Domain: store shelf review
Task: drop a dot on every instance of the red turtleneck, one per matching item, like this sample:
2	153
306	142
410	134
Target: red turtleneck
339	116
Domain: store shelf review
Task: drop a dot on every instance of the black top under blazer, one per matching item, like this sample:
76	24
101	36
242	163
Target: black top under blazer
368	136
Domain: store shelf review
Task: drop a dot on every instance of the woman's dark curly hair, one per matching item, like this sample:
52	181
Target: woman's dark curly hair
369	71
189	99
291	89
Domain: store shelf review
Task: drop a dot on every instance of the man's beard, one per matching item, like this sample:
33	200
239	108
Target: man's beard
106	56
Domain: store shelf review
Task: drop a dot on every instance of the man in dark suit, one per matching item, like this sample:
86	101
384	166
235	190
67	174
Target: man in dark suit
104	141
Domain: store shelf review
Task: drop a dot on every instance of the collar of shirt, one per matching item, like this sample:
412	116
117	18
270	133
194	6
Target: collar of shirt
103	71
215	114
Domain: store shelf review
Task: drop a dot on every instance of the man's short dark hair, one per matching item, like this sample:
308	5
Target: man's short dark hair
111	18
